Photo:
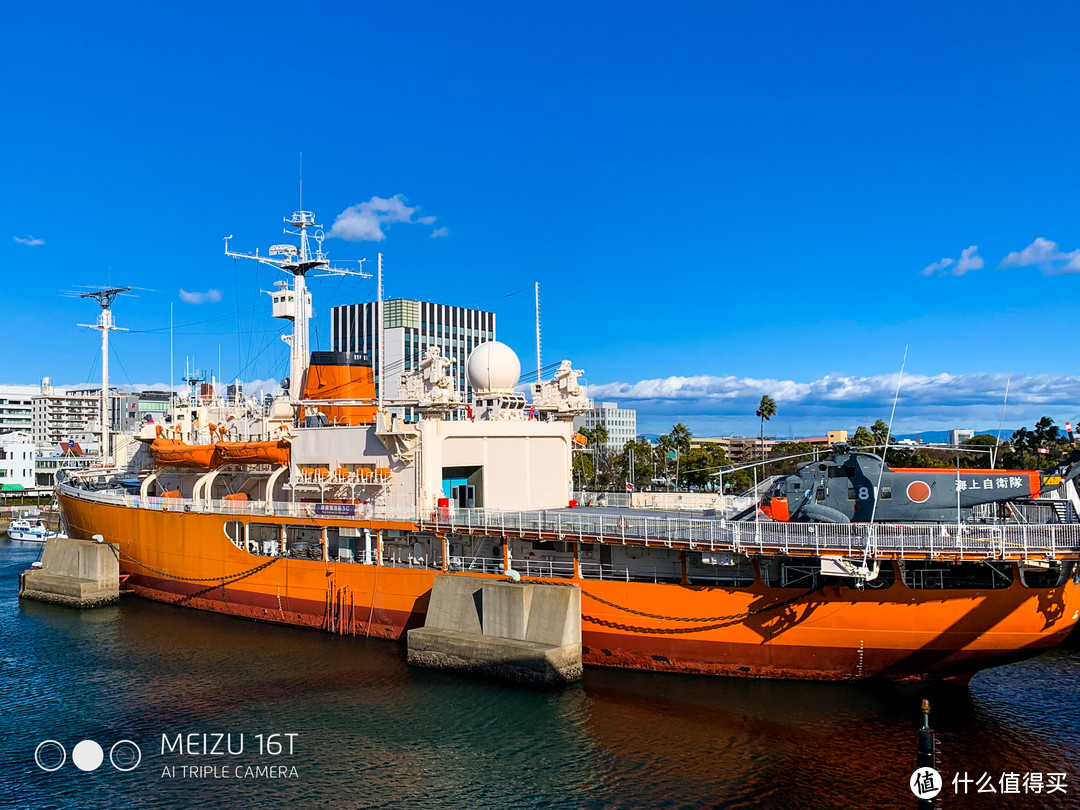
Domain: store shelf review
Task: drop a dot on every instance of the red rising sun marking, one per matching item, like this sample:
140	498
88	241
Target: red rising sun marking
918	491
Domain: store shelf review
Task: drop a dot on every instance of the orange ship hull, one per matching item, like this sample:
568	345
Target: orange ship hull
833	633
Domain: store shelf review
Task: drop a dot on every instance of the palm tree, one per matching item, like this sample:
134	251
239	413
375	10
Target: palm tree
766	410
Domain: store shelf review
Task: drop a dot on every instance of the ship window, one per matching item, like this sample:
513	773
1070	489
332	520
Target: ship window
851	493
932	575
885	493
264	538
234	530
304	542
820	495
1052	576
840	472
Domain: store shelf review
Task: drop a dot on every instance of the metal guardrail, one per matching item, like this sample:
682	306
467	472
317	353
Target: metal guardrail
944	541
716	534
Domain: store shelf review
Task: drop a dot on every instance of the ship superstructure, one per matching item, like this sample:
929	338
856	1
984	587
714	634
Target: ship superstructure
330	509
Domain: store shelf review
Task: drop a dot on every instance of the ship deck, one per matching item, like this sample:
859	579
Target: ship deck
656	529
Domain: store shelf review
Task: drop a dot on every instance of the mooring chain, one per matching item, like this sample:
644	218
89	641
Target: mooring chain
189	579
724	620
743	615
721	621
225	581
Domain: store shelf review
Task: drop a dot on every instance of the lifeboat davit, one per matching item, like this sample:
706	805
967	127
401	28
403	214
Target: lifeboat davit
169	453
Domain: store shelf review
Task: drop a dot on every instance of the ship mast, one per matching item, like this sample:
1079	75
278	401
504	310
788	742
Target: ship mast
106	325
297	261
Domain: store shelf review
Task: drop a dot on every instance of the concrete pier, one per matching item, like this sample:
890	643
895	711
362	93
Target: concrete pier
77	573
513	631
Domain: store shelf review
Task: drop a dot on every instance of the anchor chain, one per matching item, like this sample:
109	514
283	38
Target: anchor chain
217	582
226	581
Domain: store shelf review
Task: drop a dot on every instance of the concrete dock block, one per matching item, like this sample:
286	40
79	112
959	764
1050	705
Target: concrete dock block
513	631
77	573
523	662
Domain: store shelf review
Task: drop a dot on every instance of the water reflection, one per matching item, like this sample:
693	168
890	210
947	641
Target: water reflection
375	733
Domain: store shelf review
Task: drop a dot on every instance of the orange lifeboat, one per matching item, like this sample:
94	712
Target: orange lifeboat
169	453
276	452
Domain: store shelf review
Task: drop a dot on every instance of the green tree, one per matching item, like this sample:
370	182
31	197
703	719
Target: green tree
680	436
880	431
592	463
642	473
766	411
862	438
782	449
702	464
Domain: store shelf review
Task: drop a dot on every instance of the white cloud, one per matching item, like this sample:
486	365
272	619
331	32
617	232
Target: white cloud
937	268
435	234
28	240
208	297
722	405
1045	255
365	222
969	260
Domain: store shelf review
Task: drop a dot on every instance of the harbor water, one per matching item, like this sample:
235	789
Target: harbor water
304	719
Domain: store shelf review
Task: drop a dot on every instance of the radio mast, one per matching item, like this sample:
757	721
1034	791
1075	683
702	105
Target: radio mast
294	302
106	325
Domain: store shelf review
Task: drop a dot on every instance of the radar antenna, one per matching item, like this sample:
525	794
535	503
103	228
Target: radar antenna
295	304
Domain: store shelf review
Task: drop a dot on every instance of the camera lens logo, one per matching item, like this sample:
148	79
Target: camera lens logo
50	755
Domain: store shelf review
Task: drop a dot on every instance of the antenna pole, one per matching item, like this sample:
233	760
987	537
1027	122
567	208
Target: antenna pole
379	341
106	322
538	364
172	359
888	434
106	325
292	304
1001	423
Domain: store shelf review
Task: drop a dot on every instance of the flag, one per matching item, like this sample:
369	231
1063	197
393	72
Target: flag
629	487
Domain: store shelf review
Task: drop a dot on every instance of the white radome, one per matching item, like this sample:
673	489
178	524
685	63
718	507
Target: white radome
493	368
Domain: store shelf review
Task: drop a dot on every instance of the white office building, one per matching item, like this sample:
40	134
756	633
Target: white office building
409	327
59	416
16	409
957	437
18	455
621	424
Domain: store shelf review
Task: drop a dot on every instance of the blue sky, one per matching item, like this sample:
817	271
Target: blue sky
719	200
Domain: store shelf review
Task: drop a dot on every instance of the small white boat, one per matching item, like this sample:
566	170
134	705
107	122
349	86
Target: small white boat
32	529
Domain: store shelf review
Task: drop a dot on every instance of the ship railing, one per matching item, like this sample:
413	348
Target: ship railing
1012	541
477	565
766	537
540	568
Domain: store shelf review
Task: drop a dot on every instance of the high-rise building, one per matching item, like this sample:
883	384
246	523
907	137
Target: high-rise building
621	424
16	410
409	328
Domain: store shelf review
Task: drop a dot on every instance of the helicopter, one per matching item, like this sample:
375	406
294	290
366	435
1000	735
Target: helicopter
845	489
